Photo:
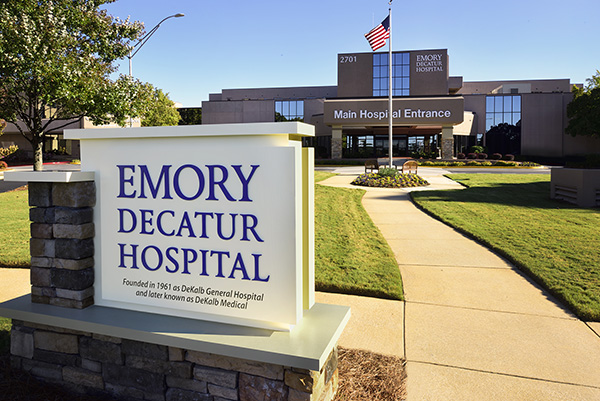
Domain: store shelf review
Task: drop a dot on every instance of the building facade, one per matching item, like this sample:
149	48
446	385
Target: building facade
434	114
55	140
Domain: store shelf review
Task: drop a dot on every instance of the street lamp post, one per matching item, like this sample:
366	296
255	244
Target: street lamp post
136	48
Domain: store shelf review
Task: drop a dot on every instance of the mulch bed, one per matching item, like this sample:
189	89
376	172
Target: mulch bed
370	377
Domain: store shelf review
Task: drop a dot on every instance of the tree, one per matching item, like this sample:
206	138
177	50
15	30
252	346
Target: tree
504	138
190	115
55	60
584	110
160	110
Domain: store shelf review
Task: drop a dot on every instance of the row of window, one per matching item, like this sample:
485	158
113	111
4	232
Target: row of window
289	110
400	74
502	109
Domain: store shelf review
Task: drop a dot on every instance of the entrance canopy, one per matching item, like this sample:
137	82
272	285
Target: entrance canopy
411	118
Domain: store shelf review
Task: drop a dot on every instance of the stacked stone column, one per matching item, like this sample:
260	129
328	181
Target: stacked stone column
447	143
62	243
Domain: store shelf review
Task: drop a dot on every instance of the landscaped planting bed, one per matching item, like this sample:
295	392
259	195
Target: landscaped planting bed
389	181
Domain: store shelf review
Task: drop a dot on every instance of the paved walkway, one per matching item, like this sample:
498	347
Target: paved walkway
472	327
14	283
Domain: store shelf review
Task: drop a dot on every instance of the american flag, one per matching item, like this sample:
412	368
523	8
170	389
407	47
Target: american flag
378	35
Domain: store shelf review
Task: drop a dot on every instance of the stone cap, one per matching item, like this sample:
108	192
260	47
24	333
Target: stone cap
49	176
307	346
207	130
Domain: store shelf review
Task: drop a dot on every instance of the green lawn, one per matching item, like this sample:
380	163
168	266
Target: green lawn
351	255
14	227
558	245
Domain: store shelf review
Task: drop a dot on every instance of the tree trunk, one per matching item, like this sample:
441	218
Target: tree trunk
38	154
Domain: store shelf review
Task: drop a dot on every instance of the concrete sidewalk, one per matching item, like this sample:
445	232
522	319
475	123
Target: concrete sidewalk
472	326
13	283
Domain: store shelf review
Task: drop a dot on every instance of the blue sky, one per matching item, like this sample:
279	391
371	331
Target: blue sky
267	43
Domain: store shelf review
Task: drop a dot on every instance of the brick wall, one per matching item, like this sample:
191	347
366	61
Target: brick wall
89	363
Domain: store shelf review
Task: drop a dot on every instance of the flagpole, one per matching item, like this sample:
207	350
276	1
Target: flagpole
390	87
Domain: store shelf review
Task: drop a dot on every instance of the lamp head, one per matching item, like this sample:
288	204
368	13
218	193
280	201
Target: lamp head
179	15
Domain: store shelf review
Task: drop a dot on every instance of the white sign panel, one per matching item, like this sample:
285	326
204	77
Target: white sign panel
199	227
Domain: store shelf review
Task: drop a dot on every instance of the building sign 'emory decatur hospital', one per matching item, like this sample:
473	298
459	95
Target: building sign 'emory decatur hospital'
219	230
429	63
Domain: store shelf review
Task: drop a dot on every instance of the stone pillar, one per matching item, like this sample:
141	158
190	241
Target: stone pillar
447	143
62	243
336	142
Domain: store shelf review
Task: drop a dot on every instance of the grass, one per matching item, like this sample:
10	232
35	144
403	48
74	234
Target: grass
555	243
322	175
14	226
352	257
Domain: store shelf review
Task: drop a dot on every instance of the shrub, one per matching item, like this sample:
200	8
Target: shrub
476	149
18	156
485	163
472	156
482	156
457	164
387	172
421	154
591	161
496	156
509	157
60	151
505	164
427	163
3	165
473	163
8	151
461	156
529	164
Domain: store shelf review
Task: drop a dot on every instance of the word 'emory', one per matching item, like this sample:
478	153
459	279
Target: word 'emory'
187	182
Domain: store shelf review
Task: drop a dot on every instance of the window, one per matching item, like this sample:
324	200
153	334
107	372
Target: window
289	110
502	109
400	74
